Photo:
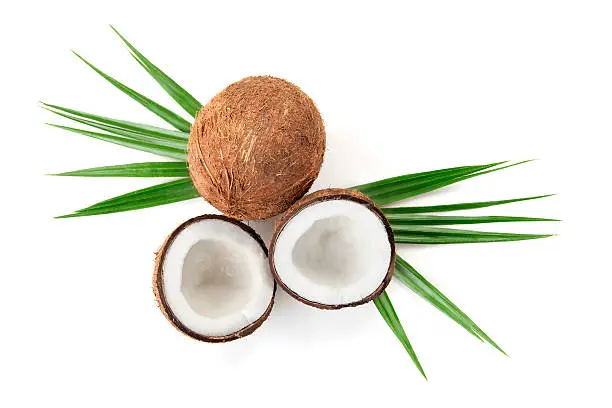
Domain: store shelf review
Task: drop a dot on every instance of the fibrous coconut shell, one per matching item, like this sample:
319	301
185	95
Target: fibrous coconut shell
256	147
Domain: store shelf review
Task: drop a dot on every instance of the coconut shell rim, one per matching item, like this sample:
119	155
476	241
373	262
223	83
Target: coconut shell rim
158	289
327	195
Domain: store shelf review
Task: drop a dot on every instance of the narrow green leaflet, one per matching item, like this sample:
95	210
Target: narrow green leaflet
412	234
133	144
180	95
166	193
422	219
419	285
454	207
164	113
391	184
443	183
161	140
385	308
150	169
157	192
415	188
121	124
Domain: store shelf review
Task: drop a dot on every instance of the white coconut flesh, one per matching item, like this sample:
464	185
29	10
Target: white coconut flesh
216	279
333	252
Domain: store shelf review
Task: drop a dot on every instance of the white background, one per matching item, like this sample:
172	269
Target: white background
402	87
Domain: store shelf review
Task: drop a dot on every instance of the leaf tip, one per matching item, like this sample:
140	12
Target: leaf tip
500	350
81	58
423	373
116	31
526	161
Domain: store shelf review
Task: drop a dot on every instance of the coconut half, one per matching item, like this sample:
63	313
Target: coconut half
212	280
333	249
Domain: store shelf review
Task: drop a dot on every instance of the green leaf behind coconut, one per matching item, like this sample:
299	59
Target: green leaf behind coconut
164	113
398	188
413	234
132	144
166	193
149	169
142	136
180	95
385	308
117	123
399	182
454	207
419	285
426	219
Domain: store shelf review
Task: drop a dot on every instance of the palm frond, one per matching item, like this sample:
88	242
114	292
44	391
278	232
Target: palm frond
166	193
164	113
149	169
180	95
454	207
406	274
427	219
443	183
132	144
385	186
387	311
413	234
121	124
142	136
417	187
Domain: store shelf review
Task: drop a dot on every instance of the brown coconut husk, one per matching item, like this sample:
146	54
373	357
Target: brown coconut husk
158	289
256	147
325	195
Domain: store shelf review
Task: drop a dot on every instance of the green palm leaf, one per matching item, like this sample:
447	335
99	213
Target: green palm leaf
132	144
420	219
180	95
419	285
428	184
385	308
387	185
156	192
166	193
150	169
412	234
454	207
164	113
166	141
121	124
436	184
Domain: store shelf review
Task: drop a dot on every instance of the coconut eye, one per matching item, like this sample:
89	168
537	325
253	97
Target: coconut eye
212	279
333	249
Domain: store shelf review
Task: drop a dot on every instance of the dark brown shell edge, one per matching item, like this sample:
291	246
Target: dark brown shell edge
158	290
325	195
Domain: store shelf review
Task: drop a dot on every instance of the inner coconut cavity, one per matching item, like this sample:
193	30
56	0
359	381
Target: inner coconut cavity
216	279
333	252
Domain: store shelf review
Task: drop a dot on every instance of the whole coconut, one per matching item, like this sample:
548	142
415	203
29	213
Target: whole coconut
256	147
